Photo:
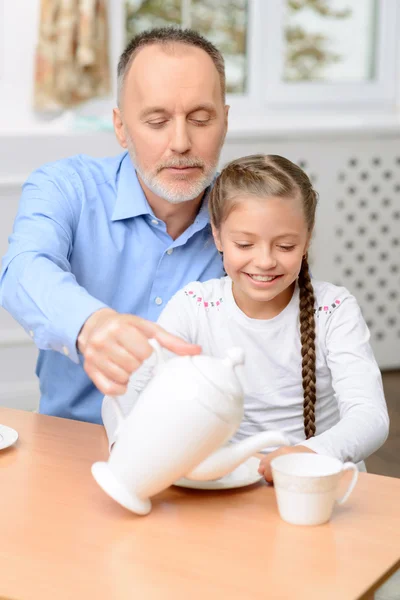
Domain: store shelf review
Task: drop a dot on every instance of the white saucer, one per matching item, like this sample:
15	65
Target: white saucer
8	436
245	474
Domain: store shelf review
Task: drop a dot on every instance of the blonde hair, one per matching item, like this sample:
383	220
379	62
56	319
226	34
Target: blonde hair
265	176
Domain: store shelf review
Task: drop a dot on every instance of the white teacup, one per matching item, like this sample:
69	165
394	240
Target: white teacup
306	486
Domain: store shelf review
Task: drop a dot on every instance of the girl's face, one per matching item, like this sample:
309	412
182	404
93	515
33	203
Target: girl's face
263	241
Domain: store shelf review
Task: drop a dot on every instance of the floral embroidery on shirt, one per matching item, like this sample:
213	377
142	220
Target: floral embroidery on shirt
207	304
326	309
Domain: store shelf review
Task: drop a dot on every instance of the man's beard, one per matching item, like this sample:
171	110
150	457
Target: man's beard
173	192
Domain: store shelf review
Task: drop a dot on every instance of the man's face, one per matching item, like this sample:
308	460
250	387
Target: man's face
172	120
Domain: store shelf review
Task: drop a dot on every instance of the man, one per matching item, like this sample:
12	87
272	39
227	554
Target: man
100	245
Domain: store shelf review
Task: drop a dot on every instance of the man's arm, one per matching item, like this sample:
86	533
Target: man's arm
38	288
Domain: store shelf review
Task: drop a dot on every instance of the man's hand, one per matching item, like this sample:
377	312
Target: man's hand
114	345
265	463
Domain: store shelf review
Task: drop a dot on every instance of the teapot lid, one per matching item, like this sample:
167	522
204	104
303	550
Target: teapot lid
222	373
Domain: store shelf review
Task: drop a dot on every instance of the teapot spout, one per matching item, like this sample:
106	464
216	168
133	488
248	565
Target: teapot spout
227	458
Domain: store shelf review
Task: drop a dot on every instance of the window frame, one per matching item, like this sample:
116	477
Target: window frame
380	93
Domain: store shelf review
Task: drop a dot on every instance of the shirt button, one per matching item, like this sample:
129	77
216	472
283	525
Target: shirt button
158	300
170	250
65	350
154	221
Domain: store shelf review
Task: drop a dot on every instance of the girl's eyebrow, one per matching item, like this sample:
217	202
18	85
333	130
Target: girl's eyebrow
292	234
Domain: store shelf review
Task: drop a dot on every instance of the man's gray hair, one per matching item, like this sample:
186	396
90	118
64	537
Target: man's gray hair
165	36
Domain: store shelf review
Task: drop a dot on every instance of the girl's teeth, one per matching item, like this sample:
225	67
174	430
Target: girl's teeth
262	278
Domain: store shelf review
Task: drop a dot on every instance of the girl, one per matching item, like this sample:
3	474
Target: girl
309	368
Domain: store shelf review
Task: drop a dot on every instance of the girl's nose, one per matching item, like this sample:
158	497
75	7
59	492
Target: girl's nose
265	260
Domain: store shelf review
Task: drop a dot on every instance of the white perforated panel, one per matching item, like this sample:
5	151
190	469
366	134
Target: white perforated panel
368	234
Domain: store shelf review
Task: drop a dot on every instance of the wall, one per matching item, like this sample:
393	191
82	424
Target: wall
18	27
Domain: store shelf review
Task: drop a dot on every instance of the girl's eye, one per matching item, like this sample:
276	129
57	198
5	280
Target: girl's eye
286	248
243	246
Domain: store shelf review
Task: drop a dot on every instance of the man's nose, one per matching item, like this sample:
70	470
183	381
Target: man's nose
180	140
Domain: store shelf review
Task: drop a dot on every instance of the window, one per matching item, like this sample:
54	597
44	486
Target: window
333	42
224	23
336	53
282	54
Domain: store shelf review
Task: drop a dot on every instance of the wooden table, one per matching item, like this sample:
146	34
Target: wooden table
62	538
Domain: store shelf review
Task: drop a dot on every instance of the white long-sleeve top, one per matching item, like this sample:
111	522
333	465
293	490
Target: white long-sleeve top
351	414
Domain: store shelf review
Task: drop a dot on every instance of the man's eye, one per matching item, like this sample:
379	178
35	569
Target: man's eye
200	123
156	124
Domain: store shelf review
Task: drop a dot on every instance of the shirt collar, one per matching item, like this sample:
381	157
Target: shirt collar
203	216
131	201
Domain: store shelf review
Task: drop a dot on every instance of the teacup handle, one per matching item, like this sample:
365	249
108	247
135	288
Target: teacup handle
349	466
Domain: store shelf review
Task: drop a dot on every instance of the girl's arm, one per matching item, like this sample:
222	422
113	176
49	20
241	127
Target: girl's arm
176	319
357	382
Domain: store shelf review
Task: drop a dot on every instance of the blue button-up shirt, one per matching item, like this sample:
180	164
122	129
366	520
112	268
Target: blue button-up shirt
86	238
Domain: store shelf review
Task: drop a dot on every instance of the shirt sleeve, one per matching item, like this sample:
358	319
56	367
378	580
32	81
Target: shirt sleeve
36	284
357	382
176	319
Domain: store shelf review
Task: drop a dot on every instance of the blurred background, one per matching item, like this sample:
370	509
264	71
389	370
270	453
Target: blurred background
317	81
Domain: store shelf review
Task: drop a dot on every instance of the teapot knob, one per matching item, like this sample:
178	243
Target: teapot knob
235	357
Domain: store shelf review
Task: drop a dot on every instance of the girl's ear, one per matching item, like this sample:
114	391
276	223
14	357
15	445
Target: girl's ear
217	238
308	242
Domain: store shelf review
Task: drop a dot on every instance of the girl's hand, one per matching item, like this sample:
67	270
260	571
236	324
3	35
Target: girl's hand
265	463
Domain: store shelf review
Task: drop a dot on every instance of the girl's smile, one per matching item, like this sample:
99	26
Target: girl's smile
263	280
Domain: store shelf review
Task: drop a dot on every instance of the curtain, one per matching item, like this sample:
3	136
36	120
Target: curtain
72	61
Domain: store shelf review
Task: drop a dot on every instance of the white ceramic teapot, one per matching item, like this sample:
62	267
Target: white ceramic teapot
178	428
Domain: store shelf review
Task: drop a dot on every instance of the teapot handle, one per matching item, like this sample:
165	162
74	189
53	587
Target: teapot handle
157	351
119	415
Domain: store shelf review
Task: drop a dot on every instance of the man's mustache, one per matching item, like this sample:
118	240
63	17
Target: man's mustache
180	163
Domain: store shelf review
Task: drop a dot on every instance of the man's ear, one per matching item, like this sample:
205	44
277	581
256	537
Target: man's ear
226	108
226	120
217	238
119	128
